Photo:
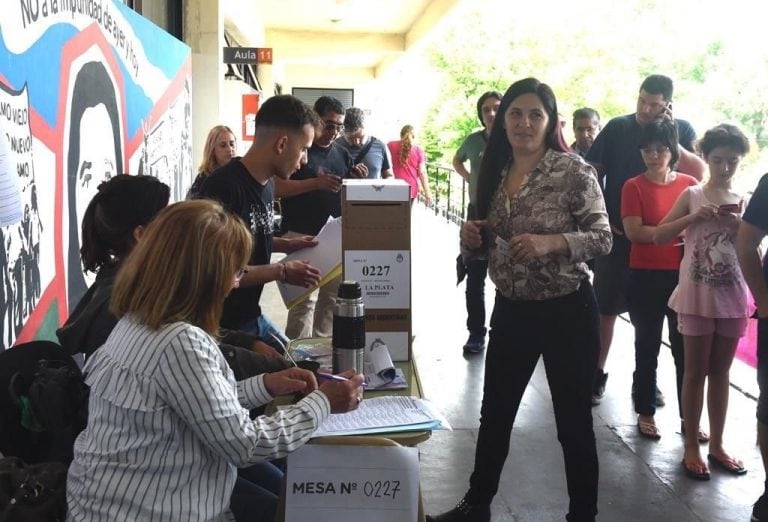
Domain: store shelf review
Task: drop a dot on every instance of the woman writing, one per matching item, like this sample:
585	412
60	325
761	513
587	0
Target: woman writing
167	423
220	148
542	216
711	295
409	164
653	269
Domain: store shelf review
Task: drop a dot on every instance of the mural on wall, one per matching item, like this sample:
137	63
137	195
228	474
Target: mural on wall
88	90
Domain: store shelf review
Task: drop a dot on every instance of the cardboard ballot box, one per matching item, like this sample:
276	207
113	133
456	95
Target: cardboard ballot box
376	245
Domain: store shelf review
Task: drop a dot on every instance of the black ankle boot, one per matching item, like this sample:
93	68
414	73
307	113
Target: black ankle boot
464	512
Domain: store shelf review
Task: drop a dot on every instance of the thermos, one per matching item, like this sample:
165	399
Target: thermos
348	329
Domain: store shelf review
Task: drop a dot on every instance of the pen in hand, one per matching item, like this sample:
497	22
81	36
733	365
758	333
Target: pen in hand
332	377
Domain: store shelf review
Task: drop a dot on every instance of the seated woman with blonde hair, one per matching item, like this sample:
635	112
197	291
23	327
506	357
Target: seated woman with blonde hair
167	422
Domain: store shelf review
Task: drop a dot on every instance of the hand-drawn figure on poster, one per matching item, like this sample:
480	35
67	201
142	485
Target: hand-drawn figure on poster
94	155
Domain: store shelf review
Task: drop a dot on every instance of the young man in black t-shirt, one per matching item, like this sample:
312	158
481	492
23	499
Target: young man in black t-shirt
307	200
285	129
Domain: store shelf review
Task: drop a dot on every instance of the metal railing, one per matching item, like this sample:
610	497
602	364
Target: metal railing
449	193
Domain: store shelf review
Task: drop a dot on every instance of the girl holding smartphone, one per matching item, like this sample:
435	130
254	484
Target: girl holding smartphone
711	296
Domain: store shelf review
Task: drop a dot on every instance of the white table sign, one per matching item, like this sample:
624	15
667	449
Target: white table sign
352	484
384	276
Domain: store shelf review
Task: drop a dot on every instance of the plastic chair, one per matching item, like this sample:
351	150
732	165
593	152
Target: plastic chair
351	441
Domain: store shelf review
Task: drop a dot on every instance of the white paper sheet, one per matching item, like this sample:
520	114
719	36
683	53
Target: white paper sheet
390	413
326	257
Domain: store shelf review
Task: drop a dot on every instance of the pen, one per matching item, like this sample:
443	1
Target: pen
332	377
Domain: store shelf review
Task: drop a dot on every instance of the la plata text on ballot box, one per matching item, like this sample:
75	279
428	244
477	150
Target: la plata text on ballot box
376	242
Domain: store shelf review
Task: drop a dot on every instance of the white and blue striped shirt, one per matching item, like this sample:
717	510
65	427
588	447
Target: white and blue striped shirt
168	424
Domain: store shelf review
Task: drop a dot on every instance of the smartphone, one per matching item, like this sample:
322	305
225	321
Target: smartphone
732	208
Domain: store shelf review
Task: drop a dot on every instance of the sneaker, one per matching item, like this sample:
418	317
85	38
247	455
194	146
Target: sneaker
760	510
659	398
598	386
464	512
475	344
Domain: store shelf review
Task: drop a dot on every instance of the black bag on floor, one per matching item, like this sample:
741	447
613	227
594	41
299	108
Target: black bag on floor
32	493
43	402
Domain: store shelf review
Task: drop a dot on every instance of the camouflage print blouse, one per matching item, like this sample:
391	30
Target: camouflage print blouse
560	196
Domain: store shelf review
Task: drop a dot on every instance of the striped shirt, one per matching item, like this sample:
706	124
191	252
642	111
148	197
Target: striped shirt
167	426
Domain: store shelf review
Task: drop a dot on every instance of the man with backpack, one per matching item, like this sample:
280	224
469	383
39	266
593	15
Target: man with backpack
363	148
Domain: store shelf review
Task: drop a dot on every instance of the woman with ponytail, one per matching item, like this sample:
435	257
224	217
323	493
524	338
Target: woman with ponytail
409	163
113	221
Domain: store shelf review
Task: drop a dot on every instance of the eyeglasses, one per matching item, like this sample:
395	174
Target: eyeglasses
333	126
239	274
654	151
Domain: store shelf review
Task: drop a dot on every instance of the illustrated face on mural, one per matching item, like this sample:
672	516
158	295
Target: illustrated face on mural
94	155
97	155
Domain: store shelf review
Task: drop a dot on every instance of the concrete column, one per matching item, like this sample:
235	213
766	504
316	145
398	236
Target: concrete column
204	33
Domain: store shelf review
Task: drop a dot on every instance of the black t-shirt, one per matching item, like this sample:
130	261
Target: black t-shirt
242	195
616	149
307	213
757	213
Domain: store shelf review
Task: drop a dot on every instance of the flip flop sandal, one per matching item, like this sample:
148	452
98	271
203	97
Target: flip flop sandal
693	474
648	430
733	468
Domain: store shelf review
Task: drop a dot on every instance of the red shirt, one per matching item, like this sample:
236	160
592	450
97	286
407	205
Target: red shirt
651	202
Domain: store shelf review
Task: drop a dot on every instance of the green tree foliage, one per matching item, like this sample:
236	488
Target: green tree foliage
595	54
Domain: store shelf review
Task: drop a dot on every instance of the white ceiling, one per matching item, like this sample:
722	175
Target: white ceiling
375	16
343	34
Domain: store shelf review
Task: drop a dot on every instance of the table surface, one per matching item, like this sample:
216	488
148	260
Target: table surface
414	389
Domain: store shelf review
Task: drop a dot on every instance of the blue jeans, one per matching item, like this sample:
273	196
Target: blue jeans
256	493
264	328
477	269
647	298
564	331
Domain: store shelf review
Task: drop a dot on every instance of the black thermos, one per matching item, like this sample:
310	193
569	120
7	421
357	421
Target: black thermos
348	329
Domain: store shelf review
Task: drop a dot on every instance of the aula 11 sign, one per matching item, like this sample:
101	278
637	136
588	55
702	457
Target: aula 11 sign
248	55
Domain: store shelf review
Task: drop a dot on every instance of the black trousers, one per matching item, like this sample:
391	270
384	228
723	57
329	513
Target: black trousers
647	298
564	331
477	269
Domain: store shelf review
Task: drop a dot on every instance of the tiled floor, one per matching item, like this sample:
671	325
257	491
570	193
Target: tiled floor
640	480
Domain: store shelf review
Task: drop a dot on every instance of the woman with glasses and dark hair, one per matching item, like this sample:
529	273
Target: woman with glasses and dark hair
711	298
541	216
653	275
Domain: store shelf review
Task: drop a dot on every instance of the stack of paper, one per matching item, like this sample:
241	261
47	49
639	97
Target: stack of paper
385	414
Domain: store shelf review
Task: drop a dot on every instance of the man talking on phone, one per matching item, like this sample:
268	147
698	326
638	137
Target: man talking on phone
616	156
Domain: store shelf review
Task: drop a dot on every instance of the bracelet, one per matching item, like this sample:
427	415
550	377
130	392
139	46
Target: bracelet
283	271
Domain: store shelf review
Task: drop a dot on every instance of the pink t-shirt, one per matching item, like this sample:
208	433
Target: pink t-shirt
711	283
410	171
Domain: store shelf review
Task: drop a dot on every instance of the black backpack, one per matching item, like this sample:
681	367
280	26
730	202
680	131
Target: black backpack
32	493
43	403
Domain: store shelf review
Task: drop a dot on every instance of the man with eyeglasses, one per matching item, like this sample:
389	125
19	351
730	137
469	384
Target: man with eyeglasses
307	200
616	157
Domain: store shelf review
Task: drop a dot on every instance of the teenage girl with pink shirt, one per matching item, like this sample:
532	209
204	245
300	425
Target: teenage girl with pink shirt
711	298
